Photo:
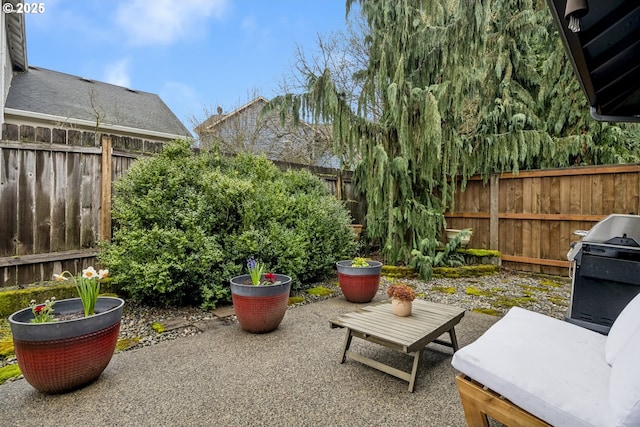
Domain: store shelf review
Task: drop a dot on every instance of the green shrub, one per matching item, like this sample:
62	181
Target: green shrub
185	223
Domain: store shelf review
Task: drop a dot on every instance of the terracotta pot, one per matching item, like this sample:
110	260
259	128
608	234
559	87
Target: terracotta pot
260	309
359	284
400	307
61	356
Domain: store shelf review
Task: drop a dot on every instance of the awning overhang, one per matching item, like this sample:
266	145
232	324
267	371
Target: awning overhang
605	54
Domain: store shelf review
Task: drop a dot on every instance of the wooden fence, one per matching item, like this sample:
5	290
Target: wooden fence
56	201
55	206
530	217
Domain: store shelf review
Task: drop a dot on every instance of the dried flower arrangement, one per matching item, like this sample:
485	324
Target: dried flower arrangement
401	291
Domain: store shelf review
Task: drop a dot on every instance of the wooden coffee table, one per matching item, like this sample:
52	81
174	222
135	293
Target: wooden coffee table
408	335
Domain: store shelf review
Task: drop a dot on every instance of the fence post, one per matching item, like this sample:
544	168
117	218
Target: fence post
494	220
105	195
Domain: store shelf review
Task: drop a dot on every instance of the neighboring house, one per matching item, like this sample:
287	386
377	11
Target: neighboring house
247	130
41	105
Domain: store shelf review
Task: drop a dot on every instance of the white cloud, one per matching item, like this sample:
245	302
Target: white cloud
164	22
117	73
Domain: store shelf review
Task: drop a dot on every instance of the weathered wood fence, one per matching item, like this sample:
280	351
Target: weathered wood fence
55	206
56	201
530	217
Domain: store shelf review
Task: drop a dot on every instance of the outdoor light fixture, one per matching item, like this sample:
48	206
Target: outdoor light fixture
575	10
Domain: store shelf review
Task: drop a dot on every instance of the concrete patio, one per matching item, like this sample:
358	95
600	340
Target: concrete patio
227	377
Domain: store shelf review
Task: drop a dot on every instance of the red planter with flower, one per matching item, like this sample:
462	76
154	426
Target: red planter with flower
359	282
260	308
61	356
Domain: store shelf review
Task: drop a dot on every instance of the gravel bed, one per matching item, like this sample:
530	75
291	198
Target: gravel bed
493	294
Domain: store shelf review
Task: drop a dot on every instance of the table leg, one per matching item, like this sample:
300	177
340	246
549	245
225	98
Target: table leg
347	344
414	370
454	340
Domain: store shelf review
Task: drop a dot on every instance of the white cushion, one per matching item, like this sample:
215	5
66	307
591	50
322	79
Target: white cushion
550	368
624	387
627	322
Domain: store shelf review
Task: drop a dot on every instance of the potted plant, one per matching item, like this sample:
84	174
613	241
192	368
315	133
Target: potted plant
465	235
63	345
260	299
359	279
402	297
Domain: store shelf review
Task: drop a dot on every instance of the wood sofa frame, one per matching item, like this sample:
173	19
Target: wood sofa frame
479	402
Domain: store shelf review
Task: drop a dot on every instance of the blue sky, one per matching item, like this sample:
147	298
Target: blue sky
195	54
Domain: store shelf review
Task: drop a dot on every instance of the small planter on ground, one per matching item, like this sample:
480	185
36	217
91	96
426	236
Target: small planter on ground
260	300
359	279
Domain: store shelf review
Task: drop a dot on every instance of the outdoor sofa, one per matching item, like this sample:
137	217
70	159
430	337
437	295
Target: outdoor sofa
533	370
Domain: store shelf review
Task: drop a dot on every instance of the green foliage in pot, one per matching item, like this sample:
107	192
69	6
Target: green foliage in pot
186	222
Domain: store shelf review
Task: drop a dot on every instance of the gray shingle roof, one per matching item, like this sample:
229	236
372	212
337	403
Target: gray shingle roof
51	92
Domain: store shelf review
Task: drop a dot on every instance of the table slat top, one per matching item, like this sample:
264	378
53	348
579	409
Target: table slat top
427	322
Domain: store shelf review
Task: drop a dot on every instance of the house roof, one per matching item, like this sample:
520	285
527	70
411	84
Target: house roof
67	97
605	54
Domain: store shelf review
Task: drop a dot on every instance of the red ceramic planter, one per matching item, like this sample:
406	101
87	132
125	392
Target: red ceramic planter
359	284
62	356
260	309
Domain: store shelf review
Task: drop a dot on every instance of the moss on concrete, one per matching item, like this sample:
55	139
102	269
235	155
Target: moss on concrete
395	271
295	300
6	349
158	327
319	291
466	271
472	290
444	289
481	253
9	372
126	343
489	311
559	301
550	283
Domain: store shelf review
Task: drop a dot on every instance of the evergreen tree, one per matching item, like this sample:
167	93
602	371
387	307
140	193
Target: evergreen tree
464	88
421	64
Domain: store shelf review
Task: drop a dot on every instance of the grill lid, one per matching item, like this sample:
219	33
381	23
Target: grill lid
615	225
616	229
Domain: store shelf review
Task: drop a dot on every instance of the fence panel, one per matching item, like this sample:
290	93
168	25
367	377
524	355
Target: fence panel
536	212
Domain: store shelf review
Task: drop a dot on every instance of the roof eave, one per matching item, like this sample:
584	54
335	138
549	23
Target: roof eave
17	40
15	113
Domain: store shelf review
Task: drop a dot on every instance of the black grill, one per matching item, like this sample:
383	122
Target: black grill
605	268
